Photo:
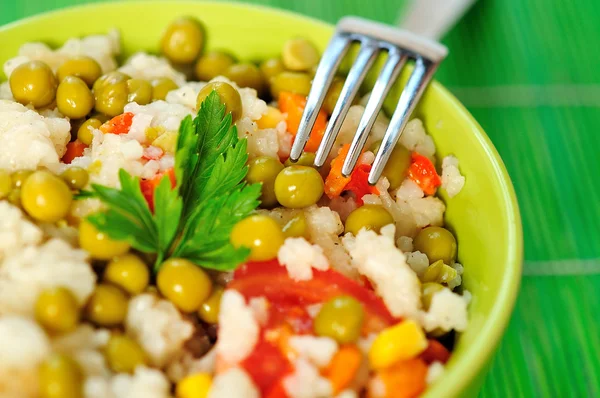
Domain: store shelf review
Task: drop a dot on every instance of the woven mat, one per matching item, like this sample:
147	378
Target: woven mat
529	71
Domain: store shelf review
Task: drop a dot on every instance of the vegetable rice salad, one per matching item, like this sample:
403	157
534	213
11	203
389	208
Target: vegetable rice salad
156	241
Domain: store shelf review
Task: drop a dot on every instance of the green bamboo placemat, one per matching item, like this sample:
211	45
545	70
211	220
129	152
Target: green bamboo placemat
529	71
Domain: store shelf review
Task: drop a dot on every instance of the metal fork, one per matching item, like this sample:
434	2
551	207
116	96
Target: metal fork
374	38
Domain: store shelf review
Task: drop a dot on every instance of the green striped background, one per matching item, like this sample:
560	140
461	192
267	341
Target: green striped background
530	73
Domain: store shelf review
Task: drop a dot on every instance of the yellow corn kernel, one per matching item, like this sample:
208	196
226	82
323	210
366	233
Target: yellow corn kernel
194	386
270	119
95	167
167	141
396	343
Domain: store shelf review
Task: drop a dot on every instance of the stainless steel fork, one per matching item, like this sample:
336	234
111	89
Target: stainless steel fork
373	38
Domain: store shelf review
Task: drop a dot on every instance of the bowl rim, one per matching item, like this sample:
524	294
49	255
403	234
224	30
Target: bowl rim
480	352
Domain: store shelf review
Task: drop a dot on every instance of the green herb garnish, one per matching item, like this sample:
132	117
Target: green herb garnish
193	220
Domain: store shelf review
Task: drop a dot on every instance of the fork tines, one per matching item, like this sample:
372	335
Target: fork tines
373	38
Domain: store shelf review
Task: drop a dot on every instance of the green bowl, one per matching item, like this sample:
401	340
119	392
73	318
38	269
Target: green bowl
484	216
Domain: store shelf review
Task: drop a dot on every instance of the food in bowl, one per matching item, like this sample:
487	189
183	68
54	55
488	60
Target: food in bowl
157	240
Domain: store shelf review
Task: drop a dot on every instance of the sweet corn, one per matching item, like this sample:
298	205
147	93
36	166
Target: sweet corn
396	343
270	119
194	386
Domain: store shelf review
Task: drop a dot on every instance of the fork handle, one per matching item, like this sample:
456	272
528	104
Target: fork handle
433	18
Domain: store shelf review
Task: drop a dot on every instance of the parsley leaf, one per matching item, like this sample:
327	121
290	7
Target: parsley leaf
193	220
128	216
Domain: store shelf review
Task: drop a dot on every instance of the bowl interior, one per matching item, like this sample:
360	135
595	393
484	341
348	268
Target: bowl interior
484	215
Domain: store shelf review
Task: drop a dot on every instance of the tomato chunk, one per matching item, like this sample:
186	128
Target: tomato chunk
266	365
423	173
293	105
359	183
148	186
74	150
271	280
435	351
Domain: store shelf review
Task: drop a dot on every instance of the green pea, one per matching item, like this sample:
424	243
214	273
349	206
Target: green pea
230	97
60	377
439	272
33	83
296	227
111	93
73	98
212	65
139	91
265	169
299	54
271	68
183	40
75	177
57	310
428	290
5	184
294	82
437	243
81	66
84	133
245	75
369	217
340	318
298	186
14	197
333	94
397	166
124	354
18	177
161	87
306	159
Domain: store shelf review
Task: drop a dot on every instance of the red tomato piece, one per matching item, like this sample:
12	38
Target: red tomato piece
118	125
74	150
269	279
266	365
359	183
148	186
278	391
435	351
423	173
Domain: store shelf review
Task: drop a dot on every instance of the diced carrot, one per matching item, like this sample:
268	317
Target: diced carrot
343	367
293	105
435	351
359	183
405	379
335	181
118	125
148	186
423	173
74	150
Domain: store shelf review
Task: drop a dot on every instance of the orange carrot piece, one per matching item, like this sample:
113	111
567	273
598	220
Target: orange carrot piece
293	105
423	173
335	181
74	150
118	125
343	367
405	379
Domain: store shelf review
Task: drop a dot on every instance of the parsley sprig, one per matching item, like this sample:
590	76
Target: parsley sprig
194	219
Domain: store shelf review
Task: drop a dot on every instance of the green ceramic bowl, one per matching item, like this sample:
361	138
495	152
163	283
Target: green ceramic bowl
484	215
